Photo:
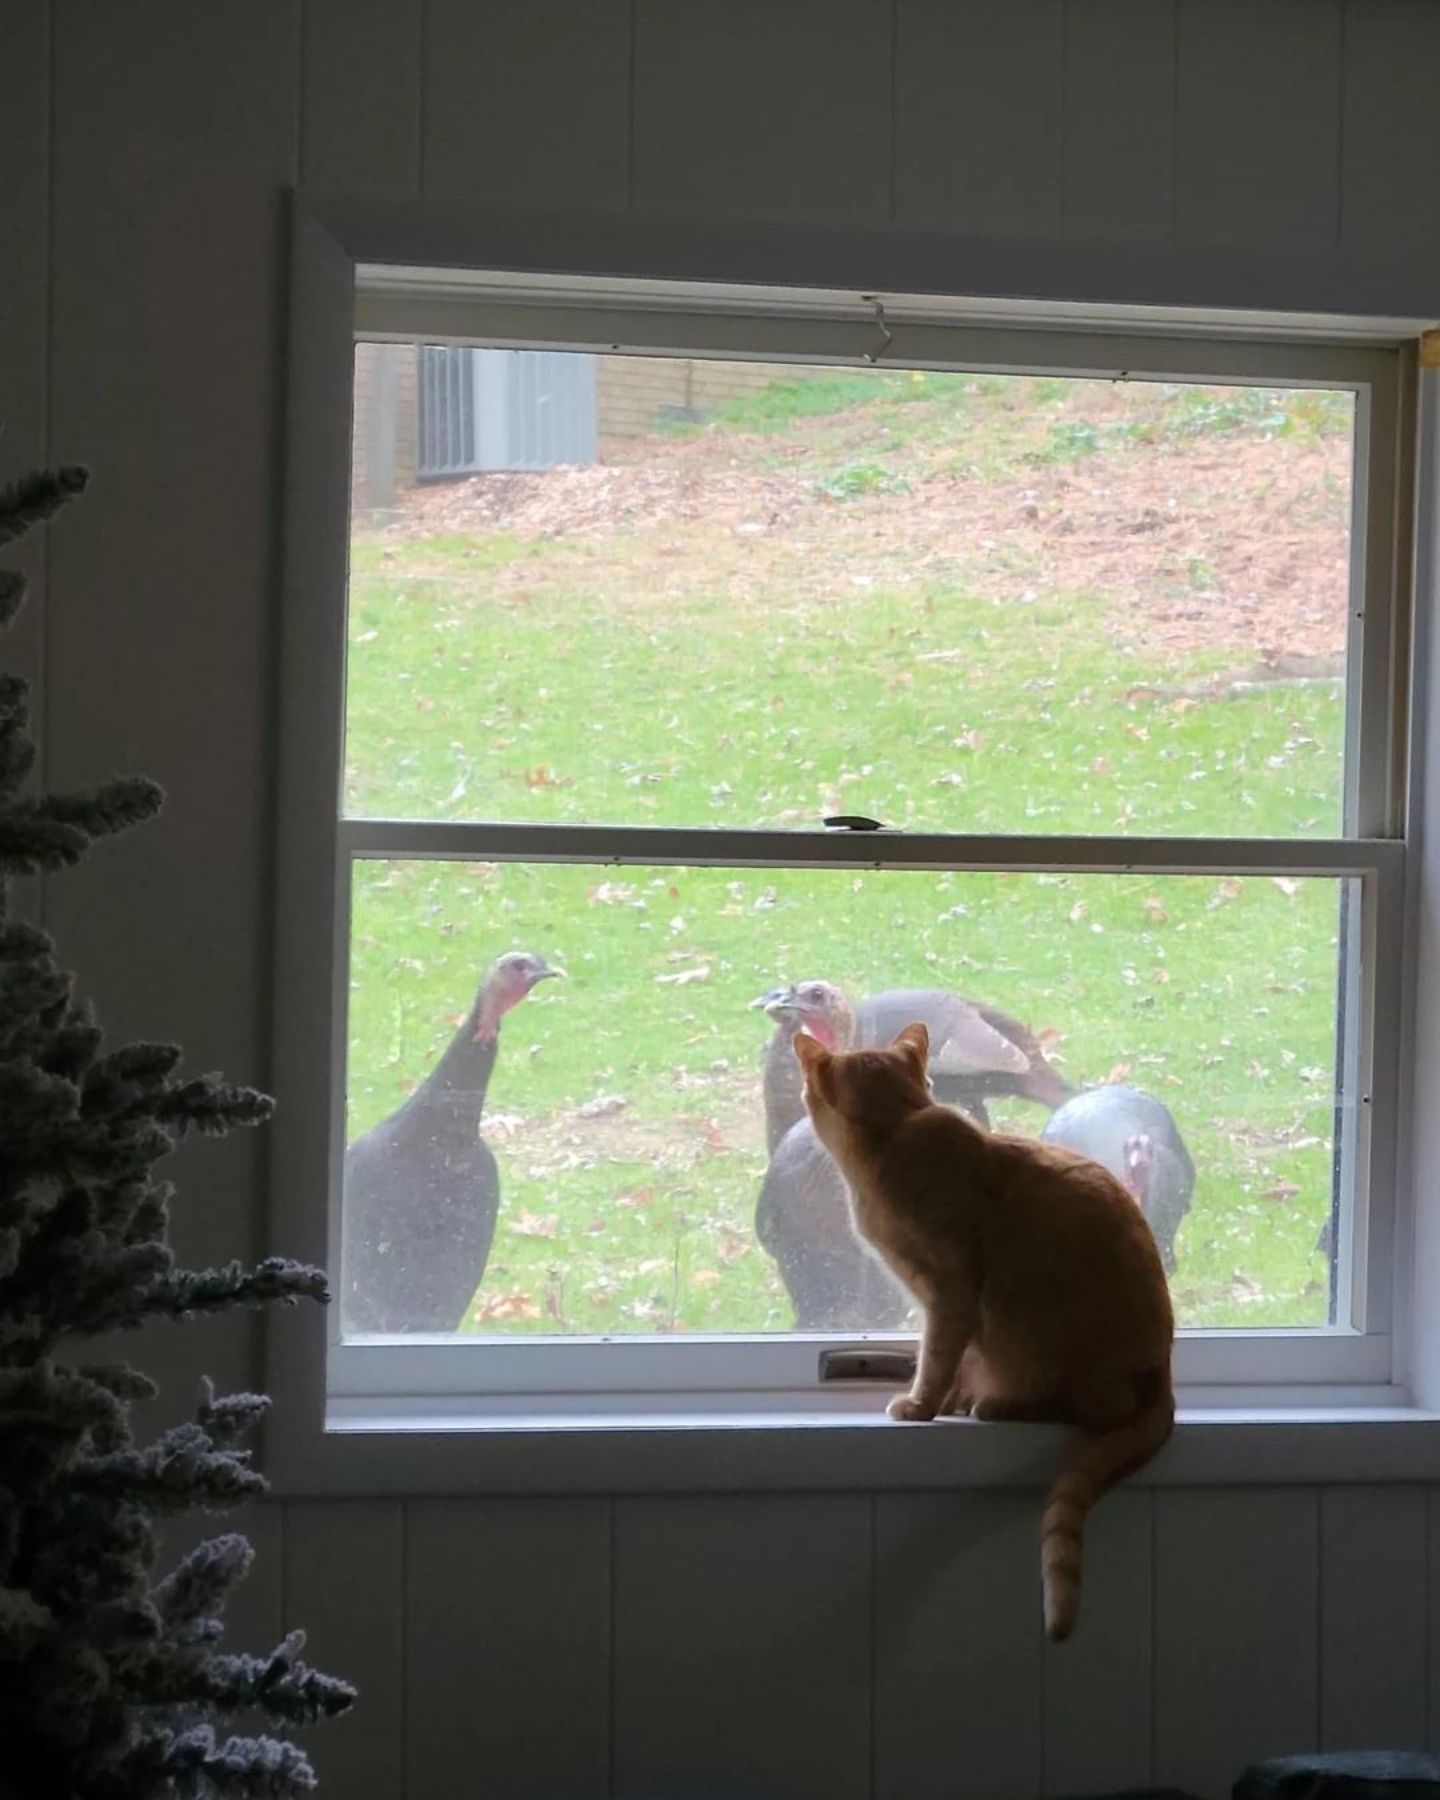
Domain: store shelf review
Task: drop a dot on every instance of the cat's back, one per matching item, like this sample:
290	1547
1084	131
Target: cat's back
933	1141
1066	1221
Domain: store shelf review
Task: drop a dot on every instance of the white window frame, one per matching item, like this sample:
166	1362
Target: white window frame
449	1384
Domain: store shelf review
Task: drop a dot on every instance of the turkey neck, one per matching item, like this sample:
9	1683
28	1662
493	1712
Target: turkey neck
462	1075
783	1085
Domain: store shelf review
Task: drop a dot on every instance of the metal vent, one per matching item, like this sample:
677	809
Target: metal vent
504	409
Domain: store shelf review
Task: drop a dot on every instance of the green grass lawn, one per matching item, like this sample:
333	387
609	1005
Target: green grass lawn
693	677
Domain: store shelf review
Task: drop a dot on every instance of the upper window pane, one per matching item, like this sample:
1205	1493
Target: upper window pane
639	590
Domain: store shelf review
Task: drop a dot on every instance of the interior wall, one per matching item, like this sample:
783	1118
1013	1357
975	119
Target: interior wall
1215	150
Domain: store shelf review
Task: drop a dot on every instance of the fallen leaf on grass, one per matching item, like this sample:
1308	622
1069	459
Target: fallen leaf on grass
730	1244
1279	1190
516	1305
543	776
683	977
528	1224
602	1106
1286	886
714	1138
705	1278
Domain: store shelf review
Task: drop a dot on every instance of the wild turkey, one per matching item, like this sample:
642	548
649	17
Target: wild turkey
802	1217
421	1188
977	1051
1136	1138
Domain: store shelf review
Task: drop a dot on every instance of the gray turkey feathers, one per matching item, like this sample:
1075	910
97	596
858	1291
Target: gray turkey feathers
802	1215
1135	1137
422	1189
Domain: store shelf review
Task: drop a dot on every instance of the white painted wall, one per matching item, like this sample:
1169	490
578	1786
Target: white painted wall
1246	152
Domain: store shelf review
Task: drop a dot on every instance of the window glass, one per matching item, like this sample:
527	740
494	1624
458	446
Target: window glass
618	1150
648	590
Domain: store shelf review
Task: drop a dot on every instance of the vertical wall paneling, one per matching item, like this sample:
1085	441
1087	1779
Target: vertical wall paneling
528	105
744	107
1119	149
344	1587
24	299
507	1648
1390	178
1258	123
360	96
1236	1619
978	111
1096	1688
169	199
1372	1618
957	1646
742	1647
1432	1591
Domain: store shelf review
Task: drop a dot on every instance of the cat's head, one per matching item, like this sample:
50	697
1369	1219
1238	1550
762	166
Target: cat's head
863	1089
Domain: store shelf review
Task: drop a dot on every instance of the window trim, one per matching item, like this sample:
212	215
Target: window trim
325	312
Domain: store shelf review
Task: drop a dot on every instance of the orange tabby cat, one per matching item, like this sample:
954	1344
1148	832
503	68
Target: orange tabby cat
1042	1288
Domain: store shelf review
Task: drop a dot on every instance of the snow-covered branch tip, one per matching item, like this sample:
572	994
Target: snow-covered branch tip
38	496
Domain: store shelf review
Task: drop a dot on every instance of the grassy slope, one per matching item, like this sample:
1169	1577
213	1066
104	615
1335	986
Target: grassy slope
578	680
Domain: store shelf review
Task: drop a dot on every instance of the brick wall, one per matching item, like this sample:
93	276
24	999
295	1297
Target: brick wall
638	393
386	430
634	395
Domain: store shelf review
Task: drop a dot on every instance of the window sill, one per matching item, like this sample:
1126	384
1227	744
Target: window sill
399	1453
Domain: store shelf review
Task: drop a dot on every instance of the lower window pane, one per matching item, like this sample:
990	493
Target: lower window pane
618	1151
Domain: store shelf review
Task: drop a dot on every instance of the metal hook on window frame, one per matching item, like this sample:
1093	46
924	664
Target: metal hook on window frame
887	336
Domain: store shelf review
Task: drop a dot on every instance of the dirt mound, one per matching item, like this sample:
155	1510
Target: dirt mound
1232	544
603	500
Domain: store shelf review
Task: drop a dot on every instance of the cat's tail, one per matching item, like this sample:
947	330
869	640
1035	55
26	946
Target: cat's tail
1093	1465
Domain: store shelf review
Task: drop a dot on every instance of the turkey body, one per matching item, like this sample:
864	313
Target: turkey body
802	1216
422	1189
803	1221
967	1065
1135	1137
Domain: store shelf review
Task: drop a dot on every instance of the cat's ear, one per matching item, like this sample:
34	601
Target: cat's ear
914	1040
811	1052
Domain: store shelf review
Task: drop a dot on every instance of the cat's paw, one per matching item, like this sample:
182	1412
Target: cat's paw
906	1406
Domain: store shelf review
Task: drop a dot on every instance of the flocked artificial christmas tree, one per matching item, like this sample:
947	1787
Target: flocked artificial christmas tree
111	1682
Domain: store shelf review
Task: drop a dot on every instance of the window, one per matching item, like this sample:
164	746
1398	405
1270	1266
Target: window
1101	628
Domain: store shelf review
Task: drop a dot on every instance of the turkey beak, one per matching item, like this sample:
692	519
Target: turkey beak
551	970
776	1003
